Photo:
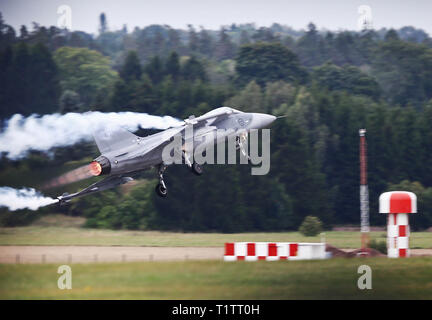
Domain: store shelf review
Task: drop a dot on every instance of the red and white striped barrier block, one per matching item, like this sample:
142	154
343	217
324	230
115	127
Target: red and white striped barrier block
398	204
272	251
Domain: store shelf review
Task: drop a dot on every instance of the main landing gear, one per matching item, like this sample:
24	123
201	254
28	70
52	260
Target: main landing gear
161	188
197	169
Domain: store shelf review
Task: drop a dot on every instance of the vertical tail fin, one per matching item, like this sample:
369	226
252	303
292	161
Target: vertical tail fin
112	139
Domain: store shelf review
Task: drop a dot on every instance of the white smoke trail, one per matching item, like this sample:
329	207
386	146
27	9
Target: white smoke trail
42	133
25	198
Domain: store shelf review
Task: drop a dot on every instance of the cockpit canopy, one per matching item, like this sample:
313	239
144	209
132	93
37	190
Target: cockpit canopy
221	110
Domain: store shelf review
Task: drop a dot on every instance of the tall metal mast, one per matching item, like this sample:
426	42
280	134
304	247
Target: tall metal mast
364	193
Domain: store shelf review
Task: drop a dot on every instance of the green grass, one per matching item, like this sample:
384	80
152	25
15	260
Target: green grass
37	235
325	279
42	235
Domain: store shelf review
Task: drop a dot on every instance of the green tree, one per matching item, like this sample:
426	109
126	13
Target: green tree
154	69
144	97
29	80
7	34
108	218
311	226
224	48
296	168
425	131
391	35
267	62
347	78
250	99
69	102
194	70
279	95
84	71
121	97
310	48
205	43
20	94
404	72
244	38
131	69
172	65
23	32
45	89
193	41
7	82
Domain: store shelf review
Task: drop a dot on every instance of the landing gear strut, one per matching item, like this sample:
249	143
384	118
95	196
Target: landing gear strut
240	144
161	188
195	167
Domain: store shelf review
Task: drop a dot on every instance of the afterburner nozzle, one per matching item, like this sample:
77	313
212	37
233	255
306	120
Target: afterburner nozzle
100	166
95	168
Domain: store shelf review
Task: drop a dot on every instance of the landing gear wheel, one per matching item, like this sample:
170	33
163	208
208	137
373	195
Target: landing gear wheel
196	168
161	190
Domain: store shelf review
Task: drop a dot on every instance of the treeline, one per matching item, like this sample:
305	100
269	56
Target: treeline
399	61
328	86
312	45
79	79
28	80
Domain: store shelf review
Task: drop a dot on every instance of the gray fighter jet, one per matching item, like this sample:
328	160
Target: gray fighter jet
124	154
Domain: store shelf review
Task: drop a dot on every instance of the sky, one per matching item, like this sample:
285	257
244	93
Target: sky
331	15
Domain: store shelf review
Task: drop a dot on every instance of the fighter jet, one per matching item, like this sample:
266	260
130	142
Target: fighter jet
124	155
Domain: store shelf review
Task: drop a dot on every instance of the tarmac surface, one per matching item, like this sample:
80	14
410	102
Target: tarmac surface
93	254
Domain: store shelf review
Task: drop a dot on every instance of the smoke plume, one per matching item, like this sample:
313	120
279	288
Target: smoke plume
41	133
26	198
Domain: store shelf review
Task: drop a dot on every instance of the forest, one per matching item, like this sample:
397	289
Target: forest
327	84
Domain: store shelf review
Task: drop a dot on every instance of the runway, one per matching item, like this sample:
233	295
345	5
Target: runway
95	254
92	254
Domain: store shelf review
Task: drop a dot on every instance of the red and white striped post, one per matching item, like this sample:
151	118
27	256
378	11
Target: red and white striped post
273	251
364	192
398	204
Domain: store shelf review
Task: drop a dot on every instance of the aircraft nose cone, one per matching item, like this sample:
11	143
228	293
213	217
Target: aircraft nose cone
262	120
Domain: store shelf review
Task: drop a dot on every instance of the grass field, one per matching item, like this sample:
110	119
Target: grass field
43	235
326	279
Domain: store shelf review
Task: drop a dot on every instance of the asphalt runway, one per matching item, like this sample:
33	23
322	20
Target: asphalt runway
94	254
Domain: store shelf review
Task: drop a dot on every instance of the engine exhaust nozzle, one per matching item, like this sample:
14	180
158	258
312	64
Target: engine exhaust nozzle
100	166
